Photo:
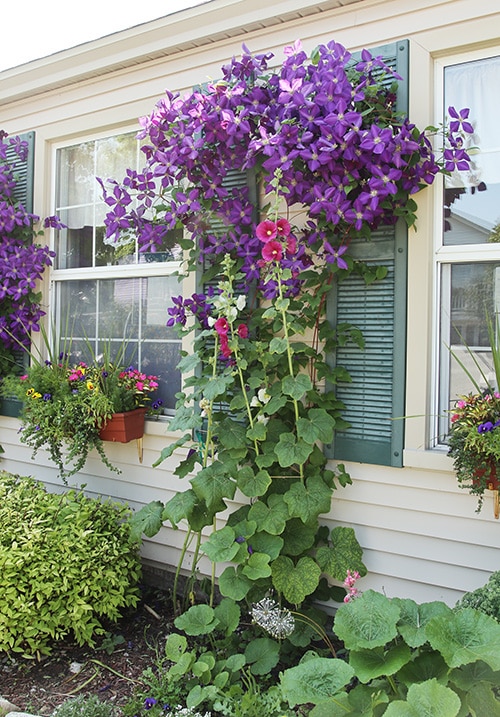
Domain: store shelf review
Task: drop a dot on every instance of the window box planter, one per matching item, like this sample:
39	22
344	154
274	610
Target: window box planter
124	427
11	407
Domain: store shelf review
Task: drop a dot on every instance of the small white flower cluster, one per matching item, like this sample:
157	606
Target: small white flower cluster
180	711
278	622
227	304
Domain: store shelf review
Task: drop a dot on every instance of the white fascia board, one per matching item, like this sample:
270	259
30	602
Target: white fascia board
186	29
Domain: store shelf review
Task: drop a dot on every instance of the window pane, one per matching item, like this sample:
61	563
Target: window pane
469	292
74	245
81	208
76	175
472	200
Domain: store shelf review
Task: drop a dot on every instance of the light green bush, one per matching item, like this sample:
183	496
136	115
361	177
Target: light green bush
485	598
66	562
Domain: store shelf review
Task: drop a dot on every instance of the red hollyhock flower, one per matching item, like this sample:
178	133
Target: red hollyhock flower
283	227
242	331
266	230
272	251
221	326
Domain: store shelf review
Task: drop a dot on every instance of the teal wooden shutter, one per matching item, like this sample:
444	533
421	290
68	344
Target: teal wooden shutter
375	399
24	170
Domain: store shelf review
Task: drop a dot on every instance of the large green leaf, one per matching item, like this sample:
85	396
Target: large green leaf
466	636
278	345
298	537
147	520
228	614
367	622
415	617
270	517
221	545
296	386
179	507
295	582
168	450
315	681
175	646
184	420
257	566
253	484
424	666
271	545
318	426
212	484
189	362
262	655
483	701
217	386
232	434
289	450
233	584
344	554
369	664
198	620
308	501
427	699
467	676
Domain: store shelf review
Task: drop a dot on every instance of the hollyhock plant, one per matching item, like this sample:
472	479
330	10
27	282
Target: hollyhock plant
334	161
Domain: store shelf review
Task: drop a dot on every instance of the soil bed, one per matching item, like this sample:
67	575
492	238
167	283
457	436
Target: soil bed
112	670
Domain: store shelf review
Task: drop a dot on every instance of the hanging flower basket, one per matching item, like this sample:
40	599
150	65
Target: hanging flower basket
124	427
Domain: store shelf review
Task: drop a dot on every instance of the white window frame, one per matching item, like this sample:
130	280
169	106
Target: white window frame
448	255
93	273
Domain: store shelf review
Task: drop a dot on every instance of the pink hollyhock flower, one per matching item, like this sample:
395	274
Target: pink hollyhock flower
272	251
283	227
224	346
221	326
291	245
242	331
266	230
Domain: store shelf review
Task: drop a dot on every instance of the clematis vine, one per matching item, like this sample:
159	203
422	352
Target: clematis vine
22	260
320	142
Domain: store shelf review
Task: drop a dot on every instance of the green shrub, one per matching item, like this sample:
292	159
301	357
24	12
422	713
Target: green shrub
66	562
82	706
486	599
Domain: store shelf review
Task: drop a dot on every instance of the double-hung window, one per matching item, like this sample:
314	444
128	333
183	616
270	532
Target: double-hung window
468	255
109	296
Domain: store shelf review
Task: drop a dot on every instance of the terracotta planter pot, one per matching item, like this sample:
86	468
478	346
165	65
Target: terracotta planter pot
492	481
124	427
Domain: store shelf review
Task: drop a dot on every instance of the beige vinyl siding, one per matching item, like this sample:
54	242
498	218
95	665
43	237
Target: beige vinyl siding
420	533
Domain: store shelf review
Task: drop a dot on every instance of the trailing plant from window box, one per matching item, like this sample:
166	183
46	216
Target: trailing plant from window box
68	562
474	436
67	404
322	139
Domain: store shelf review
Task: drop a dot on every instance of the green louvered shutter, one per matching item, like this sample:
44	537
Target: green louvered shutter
24	170
375	399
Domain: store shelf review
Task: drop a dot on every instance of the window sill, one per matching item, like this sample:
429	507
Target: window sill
435	459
